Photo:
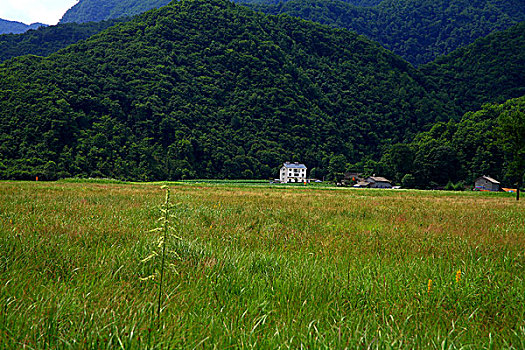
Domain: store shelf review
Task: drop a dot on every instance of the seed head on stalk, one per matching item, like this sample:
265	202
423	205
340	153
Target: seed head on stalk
166	233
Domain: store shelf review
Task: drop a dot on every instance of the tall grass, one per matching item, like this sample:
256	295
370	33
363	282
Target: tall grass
261	267
165	232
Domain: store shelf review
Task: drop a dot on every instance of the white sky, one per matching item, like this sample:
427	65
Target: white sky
31	11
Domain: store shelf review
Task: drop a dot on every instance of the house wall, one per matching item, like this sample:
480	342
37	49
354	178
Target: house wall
381	185
282	174
292	175
487	185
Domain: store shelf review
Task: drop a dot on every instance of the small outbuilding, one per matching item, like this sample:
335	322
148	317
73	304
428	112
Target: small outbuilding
362	184
379	182
486	183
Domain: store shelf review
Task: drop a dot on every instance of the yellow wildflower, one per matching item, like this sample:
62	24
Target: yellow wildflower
458	276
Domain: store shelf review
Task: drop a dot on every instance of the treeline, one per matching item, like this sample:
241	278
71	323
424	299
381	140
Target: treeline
206	89
419	31
47	40
452	154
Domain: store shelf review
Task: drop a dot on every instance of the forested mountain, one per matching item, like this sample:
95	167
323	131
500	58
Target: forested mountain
490	70
100	10
206	89
363	3
417	30
8	27
47	40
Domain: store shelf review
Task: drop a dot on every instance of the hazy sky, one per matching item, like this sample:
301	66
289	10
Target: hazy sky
30	11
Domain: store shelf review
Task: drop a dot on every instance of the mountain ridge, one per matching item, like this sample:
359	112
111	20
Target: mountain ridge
14	27
490	70
47	40
94	11
419	31
208	89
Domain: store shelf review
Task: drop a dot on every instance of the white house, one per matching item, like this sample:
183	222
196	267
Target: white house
292	172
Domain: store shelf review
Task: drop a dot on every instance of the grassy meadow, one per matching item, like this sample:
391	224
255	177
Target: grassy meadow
260	267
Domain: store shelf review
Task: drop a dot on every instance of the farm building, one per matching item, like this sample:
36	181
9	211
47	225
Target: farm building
362	184
486	183
292	172
379	182
374	182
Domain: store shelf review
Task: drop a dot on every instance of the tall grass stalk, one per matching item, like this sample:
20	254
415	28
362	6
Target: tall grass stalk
165	228
163	241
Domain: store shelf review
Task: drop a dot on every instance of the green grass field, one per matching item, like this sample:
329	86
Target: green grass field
260	267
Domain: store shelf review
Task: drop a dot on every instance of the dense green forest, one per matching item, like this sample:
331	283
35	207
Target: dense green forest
47	40
100	10
456	153
364	3
489	70
417	30
207	89
12	27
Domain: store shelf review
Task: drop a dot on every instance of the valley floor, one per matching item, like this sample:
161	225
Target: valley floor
260	267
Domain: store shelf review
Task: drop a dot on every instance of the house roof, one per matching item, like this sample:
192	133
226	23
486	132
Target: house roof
489	179
378	179
362	184
294	165
350	174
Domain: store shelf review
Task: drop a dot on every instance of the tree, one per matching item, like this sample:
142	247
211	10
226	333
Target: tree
398	161
337	166
408	181
436	164
511	135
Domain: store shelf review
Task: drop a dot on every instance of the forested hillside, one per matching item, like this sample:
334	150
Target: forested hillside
47	40
11	27
100	10
206	89
364	3
417	30
460	151
490	70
